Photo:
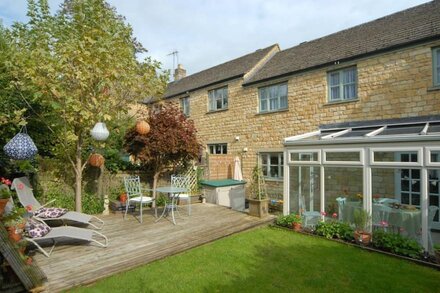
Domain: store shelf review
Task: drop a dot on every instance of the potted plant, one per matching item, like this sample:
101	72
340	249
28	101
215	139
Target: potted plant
15	223
437	252
5	194
296	221
361	222
258	203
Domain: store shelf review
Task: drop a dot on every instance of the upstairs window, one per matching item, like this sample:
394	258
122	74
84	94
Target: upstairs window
342	84
436	66
218	99
218	148
273	98
184	106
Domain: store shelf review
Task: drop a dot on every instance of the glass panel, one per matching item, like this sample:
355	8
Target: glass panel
435	156
402	129
274	160
312	156
264	160
343	156
305	192
334	93
393	209
385	156
334	78
342	196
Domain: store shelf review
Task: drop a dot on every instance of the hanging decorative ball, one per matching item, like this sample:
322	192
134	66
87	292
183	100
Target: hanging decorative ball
21	146
96	160
100	131
142	127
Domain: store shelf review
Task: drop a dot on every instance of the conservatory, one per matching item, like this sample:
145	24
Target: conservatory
390	168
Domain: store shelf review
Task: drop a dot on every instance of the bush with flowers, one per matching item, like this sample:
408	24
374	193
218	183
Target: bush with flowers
288	220
5	192
333	229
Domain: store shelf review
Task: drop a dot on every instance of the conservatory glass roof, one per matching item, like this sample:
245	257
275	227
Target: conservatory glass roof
405	129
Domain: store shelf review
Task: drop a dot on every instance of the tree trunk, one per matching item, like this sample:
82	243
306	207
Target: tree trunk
78	174
100	190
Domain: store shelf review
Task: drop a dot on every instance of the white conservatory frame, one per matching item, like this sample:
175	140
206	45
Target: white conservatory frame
339	140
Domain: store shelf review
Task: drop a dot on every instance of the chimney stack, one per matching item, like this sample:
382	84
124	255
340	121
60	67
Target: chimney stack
179	73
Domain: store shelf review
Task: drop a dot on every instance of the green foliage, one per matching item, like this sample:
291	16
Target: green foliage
437	247
80	64
286	221
361	219
92	204
335	229
258	185
397	244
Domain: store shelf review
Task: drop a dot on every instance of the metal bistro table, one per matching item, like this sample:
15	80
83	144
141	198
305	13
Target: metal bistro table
173	194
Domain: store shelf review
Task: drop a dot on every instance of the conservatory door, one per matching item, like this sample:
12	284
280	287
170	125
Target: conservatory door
306	178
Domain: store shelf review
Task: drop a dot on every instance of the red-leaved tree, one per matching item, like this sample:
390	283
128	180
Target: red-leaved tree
171	141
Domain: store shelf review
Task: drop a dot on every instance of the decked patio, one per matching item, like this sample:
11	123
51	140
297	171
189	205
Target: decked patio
132	244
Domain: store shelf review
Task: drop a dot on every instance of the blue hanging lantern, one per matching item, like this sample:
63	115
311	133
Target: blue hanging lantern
21	146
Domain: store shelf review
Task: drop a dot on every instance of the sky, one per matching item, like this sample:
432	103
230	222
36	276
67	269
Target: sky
207	32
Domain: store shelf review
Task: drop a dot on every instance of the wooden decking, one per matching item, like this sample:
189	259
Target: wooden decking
132	244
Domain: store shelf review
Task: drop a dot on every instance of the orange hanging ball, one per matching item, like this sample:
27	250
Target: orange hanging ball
142	127
96	160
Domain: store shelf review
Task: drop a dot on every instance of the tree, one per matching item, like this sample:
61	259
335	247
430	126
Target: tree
81	63
171	141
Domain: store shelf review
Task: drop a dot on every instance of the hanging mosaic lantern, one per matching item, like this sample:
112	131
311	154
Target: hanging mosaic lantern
100	131
142	127
96	160
21	146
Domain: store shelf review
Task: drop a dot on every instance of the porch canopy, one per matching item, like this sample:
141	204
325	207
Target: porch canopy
390	168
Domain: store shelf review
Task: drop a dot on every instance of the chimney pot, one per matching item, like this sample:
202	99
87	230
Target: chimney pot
179	73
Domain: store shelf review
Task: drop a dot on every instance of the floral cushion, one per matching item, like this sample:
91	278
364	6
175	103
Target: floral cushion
36	229
49	213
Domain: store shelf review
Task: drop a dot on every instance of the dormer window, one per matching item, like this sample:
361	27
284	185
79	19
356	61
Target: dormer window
218	99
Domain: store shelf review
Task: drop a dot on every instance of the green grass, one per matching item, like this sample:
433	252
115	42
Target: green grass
274	260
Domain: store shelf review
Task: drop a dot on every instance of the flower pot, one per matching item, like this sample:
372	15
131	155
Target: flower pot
3	203
362	238
296	226
123	198
14	234
259	208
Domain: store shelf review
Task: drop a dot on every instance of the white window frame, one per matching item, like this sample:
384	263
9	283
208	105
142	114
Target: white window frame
346	150
419	162
428	151
215	95
304	151
268	165
267	99
184	104
341	85
435	60
222	145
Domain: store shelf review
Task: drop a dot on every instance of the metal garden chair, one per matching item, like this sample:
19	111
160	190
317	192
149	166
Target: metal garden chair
134	195
183	182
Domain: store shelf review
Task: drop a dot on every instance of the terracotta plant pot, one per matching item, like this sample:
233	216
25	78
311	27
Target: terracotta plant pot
96	160
123	197
362	238
3	203
13	234
296	226
142	127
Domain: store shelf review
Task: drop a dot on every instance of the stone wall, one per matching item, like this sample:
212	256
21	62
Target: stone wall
390	85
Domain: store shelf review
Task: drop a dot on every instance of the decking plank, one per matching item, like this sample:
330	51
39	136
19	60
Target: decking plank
132	244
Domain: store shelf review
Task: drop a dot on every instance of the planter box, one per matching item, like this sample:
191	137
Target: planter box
259	208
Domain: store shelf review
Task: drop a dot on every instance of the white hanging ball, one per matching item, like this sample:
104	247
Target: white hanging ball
100	131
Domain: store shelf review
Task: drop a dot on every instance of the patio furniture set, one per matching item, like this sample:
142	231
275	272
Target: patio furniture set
40	233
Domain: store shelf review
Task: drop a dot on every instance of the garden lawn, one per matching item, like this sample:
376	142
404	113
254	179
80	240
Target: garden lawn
274	260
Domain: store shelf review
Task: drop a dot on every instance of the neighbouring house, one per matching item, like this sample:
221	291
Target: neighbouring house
348	120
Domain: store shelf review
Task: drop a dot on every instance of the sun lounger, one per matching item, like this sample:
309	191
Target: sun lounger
26	197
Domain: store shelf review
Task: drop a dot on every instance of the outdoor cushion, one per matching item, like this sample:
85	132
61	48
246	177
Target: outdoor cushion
46	213
36	229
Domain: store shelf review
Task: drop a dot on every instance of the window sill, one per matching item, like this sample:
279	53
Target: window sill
341	102
216	111
434	88
272	112
270	179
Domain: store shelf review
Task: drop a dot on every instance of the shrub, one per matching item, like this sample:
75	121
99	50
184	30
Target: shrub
335	229
397	244
286	221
